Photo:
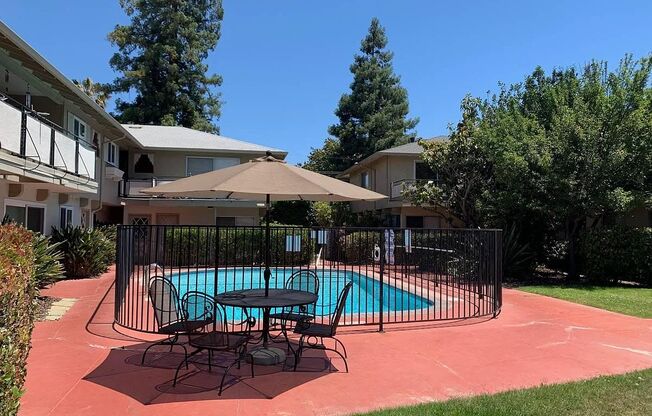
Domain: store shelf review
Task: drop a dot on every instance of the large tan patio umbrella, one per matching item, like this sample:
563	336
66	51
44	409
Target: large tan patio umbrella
265	179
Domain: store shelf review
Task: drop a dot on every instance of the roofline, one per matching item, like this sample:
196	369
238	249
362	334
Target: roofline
32	53
284	153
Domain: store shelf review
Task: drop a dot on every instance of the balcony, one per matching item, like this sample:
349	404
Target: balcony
41	143
131	188
397	188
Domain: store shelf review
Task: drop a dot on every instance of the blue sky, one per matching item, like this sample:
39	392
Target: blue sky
286	63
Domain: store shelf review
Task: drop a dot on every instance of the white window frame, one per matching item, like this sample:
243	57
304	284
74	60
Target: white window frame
26	204
83	123
111	146
68	209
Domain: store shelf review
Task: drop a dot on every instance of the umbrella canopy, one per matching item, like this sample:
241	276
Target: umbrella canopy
261	177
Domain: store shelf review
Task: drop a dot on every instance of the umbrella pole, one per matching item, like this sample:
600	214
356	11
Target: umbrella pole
268	254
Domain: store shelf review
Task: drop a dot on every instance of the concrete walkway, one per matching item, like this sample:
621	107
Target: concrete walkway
79	365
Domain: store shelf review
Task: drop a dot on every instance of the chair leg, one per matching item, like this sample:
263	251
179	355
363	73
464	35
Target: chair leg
176	373
297	354
210	360
337	341
346	364
226	371
172	341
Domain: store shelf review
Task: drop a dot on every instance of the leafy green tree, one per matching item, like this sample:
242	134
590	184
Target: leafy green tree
553	156
373	116
97	91
160	57
326	158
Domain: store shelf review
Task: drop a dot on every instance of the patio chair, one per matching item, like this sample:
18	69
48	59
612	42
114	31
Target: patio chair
305	280
171	321
313	334
200	306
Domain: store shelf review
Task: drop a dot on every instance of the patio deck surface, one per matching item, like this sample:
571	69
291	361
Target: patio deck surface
79	365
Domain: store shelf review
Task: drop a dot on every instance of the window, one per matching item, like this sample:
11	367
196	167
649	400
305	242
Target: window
196	165
423	171
144	164
31	216
112	154
364	180
85	217
413	222
234	221
79	129
65	217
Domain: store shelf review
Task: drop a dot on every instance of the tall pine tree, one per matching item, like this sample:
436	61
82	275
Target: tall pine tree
373	116
160	57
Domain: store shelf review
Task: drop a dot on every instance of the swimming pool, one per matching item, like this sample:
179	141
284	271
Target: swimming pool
364	297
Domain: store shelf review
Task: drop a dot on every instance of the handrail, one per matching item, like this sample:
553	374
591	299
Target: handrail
28	113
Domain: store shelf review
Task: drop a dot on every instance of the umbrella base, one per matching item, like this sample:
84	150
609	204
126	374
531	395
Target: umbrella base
266	356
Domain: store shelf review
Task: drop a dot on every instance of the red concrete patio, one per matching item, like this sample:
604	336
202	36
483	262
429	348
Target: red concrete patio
79	365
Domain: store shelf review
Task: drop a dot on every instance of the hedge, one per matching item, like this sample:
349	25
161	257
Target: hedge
17	309
618	253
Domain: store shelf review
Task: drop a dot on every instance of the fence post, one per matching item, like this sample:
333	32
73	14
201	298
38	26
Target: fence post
382	278
497	275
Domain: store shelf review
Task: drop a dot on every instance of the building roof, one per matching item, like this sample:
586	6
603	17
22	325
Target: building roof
18	49
408	149
182	138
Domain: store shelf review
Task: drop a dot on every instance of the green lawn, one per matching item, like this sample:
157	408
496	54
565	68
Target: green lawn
624	395
628	300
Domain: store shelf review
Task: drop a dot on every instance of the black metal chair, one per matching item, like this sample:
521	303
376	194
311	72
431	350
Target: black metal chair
313	334
307	281
200	306
169	317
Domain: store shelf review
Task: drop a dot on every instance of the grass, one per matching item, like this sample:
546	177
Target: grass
627	300
623	395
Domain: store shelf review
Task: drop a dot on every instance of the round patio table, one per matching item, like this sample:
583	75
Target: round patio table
277	298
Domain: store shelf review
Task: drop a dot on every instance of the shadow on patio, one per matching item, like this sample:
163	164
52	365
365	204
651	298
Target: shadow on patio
151	383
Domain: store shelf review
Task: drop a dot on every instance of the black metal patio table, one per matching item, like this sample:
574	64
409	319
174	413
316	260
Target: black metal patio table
257	299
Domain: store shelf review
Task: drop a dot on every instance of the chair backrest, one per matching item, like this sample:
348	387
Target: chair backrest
198	306
307	281
341	303
165	301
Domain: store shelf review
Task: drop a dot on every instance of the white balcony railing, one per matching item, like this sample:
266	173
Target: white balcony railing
42	142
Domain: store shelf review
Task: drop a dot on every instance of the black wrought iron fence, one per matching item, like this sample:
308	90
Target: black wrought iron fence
398	275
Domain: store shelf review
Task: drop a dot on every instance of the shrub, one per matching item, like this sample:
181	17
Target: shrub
618	253
47	261
86	252
359	246
17	291
190	246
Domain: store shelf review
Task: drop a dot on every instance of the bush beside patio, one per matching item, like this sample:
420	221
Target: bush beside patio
17	308
627	394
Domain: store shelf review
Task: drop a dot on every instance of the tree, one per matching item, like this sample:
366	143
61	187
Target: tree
97	91
160	57
551	157
326	158
373	116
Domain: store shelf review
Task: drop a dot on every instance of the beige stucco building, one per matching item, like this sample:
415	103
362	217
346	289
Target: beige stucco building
388	172
166	153
64	160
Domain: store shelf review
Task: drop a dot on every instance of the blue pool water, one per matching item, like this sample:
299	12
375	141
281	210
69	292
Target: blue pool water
363	298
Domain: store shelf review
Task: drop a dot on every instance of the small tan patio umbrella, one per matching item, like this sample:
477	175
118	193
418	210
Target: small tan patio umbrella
265	179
